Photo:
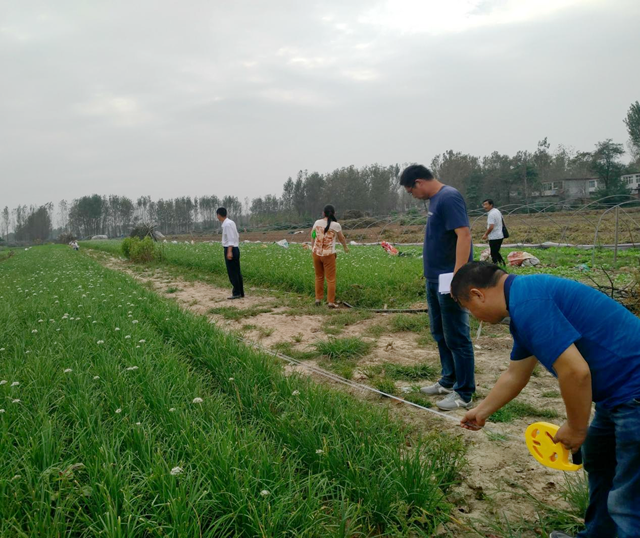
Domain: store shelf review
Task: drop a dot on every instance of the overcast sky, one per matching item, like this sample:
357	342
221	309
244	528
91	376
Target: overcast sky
198	97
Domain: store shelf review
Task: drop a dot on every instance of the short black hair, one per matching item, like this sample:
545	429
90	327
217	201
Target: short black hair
489	201
474	275
222	211
411	173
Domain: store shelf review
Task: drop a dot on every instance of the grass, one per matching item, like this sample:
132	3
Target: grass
335	323
344	348
425	340
384	384
172	289
516	409
235	314
375	331
419	398
133	432
550	514
411	372
367	276
287	348
409	322
551	394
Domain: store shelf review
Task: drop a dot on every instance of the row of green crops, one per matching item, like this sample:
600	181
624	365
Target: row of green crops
367	275
121	415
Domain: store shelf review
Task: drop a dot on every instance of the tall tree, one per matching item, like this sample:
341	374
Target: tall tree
311	199
605	163
632	121
63	215
382	185
37	225
454	168
287	195
5	222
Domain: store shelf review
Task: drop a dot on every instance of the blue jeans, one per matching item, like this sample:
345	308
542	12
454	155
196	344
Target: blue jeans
611	456
450	329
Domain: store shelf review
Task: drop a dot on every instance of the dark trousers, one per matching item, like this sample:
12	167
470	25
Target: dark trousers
494	245
233	270
450	329
611	455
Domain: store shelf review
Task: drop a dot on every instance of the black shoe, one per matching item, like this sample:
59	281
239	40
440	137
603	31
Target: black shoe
235	297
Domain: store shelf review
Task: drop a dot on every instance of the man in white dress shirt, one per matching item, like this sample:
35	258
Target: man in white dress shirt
230	244
494	231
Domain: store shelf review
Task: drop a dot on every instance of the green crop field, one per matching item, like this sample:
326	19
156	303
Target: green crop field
122	415
367	275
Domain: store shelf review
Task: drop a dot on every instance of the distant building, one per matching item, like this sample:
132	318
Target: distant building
632	181
570	189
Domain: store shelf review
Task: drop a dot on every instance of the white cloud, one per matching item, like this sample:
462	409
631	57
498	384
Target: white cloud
120	110
361	75
299	97
436	17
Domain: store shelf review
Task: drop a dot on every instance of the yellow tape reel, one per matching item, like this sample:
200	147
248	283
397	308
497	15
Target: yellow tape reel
539	438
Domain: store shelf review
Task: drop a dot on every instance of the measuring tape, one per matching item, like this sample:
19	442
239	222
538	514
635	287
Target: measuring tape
538	436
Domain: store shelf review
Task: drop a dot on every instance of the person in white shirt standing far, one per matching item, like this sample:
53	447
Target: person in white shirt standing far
230	244
494	231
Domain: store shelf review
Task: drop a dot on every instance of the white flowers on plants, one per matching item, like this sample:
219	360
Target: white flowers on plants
176	471
127	337
295	393
132	368
118	411
172	409
1	410
68	370
96	377
15	401
264	492
134	321
231	379
100	341
15	383
34	331
197	400
319	451
3	382
142	341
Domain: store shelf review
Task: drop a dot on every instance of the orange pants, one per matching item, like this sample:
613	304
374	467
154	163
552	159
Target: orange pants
325	267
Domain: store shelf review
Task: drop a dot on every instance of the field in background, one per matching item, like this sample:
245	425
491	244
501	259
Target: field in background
367	275
576	227
123	415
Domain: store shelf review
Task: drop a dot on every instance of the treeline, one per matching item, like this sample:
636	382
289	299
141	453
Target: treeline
506	179
372	190
115	216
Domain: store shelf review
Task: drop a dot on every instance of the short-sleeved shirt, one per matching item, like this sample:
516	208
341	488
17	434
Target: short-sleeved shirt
495	217
230	236
447	211
548	314
325	243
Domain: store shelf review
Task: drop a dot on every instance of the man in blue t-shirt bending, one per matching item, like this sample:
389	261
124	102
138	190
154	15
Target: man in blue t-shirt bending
592	345
447	247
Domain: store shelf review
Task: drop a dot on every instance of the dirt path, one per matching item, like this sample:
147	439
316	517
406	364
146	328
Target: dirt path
500	467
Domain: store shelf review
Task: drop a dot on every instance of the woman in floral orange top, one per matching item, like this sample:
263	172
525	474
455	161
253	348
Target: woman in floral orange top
323	241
